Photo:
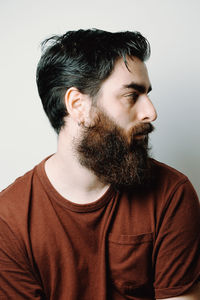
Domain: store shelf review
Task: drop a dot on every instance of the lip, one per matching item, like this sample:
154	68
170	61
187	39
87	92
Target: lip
139	136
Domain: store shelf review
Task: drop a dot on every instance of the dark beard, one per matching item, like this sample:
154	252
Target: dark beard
105	150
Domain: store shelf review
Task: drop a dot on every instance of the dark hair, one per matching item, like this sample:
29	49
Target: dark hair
83	59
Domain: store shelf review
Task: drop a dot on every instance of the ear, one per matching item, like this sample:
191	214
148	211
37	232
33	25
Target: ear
77	105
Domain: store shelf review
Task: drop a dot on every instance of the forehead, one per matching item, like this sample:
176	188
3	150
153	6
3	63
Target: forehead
122	76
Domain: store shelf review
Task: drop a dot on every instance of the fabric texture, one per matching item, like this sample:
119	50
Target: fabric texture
129	244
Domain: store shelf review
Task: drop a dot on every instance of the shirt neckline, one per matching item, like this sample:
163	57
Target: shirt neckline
76	207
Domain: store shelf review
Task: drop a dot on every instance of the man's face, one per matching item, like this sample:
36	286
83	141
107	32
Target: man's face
115	147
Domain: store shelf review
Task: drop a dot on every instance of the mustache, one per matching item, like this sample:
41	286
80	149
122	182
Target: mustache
142	129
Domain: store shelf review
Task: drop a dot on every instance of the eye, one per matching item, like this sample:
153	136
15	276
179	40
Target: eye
132	97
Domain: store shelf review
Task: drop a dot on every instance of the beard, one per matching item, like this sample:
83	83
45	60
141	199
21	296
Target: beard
115	157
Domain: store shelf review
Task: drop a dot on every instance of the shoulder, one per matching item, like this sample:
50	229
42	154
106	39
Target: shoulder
18	192
14	199
167	179
168	189
173	192
17	185
166	172
16	213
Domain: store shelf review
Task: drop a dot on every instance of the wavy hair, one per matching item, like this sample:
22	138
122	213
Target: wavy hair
83	59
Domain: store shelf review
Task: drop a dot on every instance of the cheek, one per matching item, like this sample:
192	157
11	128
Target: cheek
123	115
126	119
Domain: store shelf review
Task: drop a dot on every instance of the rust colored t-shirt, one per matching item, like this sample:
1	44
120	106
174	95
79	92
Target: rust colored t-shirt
129	244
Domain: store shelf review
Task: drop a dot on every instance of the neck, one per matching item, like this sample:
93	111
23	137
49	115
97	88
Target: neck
73	181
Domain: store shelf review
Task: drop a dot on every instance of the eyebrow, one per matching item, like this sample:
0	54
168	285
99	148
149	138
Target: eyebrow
138	87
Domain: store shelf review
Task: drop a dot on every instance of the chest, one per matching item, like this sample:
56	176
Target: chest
108	250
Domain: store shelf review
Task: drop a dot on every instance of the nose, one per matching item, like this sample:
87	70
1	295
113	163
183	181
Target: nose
145	110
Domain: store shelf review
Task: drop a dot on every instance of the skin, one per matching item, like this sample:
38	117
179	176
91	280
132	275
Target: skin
128	107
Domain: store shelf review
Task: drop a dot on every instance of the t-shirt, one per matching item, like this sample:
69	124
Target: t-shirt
131	243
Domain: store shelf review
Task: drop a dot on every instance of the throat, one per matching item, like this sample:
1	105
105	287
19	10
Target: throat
74	182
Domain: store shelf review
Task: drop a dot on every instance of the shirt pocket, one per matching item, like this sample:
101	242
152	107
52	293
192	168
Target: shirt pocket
130	264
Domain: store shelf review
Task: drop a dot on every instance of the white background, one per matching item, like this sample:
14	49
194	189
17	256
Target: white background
171	26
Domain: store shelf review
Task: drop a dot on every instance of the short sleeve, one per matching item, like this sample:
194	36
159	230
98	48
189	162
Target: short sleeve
16	278
176	254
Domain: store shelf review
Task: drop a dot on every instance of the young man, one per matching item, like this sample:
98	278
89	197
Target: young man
99	219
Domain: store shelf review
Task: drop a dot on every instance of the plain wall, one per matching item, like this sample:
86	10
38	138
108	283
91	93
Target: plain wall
171	26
